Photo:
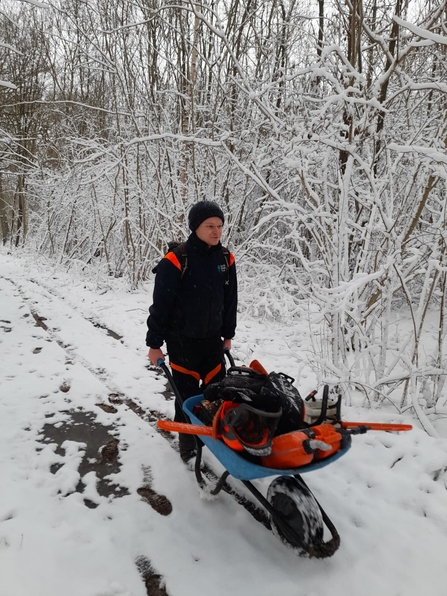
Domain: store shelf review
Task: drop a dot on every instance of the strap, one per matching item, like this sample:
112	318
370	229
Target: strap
229	260
212	373
179	249
185	371
171	256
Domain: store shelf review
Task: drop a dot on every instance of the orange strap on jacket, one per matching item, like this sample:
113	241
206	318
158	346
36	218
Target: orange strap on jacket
171	256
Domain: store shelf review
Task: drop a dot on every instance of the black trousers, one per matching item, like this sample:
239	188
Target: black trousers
195	363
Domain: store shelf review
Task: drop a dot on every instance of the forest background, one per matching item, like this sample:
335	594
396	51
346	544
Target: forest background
319	126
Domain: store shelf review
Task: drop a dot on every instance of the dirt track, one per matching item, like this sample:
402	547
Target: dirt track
101	443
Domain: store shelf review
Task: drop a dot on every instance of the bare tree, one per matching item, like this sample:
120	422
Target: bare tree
321	127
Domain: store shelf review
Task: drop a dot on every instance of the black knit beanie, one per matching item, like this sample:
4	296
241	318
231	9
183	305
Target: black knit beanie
201	211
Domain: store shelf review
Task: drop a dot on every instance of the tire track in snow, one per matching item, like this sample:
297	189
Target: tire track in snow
100	449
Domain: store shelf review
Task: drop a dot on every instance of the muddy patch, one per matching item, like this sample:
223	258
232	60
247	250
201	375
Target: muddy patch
101	454
107	408
5	325
116	398
167	393
40	321
109	332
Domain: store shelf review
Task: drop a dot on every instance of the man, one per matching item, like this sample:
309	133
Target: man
194	309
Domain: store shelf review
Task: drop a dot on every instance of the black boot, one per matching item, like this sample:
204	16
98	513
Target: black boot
187	446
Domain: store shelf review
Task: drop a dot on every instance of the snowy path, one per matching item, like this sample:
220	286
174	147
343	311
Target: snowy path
72	520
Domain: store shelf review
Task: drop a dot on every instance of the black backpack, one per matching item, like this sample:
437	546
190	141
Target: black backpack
179	249
264	392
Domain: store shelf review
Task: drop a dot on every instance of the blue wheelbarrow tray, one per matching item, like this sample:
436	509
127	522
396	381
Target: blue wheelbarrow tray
241	468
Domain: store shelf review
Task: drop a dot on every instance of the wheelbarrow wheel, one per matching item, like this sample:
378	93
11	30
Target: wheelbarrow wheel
299	524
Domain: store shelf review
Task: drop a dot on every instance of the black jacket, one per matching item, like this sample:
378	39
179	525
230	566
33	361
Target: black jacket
199	304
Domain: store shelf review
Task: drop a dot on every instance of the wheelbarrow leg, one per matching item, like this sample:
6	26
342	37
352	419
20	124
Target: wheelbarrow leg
220	484
198	463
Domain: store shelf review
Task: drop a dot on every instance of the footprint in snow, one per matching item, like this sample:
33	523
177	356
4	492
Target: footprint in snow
159	503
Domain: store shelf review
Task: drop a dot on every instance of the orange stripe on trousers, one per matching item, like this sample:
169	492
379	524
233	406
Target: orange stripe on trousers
212	373
185	371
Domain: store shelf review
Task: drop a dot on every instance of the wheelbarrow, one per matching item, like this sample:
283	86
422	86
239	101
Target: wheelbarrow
295	515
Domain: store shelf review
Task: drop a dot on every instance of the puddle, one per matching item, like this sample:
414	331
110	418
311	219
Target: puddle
101	452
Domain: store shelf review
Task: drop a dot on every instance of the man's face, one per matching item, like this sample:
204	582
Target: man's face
210	231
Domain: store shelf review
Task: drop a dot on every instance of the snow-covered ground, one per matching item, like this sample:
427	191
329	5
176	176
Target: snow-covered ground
68	386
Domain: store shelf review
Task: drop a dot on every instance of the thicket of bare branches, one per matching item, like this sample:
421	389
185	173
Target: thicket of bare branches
321	128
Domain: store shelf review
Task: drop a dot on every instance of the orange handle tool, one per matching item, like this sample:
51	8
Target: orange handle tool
377	426
185	428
